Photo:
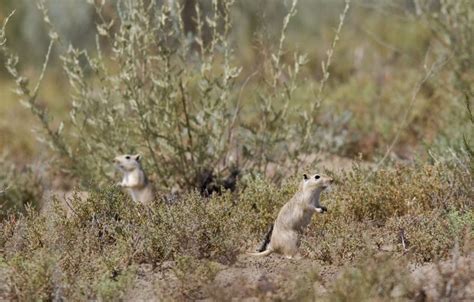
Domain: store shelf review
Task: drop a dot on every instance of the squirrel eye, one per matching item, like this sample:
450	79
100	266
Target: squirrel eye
127	157
317	176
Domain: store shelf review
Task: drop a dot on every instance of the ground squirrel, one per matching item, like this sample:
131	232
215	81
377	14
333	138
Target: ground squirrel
134	178
295	216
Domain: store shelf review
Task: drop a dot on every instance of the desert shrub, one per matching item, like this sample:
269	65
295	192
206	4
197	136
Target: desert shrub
112	287
92	252
95	251
173	95
451	23
362	96
388	278
33	275
373	279
447	280
19	188
30	266
337	240
421	238
458	221
24	233
41	275
397	191
427	236
193	275
368	211
52	256
194	227
301	287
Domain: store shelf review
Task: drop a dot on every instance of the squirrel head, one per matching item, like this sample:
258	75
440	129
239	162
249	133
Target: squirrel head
316	181
127	162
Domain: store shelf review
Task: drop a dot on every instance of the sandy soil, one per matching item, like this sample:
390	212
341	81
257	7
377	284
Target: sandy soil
250	278
257	279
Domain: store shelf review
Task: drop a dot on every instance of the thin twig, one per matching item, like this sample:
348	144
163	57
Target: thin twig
433	68
326	64
403	240
30	97
379	41
4	26
70	206
188	123
278	55
43	70
238	107
325	67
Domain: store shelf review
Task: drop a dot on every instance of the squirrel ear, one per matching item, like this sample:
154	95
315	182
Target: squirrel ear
305	177
137	157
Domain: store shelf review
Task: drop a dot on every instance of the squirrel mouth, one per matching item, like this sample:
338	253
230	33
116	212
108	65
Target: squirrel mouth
119	166
327	185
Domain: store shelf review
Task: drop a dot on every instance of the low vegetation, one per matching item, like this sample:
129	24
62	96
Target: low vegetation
205	103
96	251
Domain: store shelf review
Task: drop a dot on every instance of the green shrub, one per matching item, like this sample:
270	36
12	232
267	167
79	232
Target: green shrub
451	22
428	237
402	190
112	287
95	251
82	257
193	275
373	280
338	240
33	275
174	96
461	220
367	211
19	189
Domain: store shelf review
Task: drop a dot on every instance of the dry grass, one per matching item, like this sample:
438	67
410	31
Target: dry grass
96	251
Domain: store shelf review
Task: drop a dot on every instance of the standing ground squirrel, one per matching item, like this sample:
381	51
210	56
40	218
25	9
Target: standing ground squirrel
295	216
134	178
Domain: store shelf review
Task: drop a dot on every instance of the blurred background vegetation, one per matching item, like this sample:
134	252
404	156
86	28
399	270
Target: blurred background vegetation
383	50
254	87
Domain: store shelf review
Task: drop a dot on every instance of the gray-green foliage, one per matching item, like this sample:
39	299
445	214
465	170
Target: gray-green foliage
175	95
452	23
19	188
95	251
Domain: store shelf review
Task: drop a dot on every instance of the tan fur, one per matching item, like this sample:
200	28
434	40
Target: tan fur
295	216
134	178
